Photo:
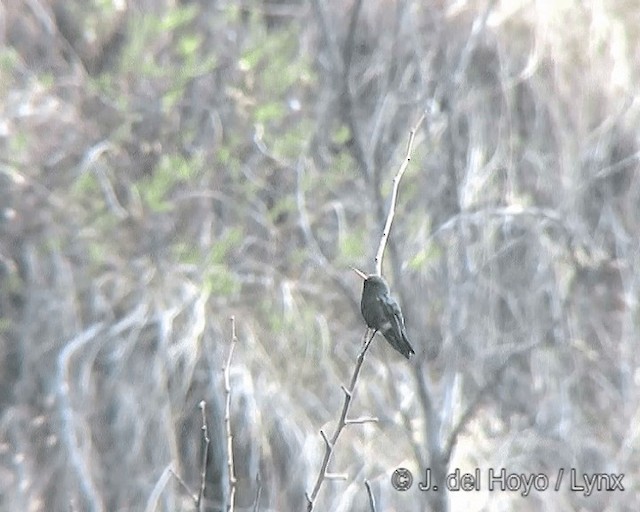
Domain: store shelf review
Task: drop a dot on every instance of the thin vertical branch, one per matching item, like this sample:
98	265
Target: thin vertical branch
372	500
198	499
205	455
394	195
227	419
329	444
256	504
348	392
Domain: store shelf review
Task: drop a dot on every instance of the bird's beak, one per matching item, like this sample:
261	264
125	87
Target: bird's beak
360	273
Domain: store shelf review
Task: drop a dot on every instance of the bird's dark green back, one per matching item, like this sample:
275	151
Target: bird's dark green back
382	313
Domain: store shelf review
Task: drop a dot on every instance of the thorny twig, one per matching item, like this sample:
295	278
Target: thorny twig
330	443
394	195
198	499
227	419
205	455
348	392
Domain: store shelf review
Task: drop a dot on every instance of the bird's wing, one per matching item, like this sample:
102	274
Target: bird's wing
392	310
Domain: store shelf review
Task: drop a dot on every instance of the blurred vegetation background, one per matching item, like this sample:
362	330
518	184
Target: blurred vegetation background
167	164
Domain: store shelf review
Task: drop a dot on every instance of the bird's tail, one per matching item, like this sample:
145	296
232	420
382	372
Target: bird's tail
400	342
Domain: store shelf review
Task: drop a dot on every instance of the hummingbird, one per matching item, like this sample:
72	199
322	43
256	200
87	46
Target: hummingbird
381	312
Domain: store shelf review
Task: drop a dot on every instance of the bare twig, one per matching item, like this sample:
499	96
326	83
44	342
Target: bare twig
372	501
184	485
394	195
154	497
342	422
256	505
362	420
336	476
205	454
348	392
227	419
198	499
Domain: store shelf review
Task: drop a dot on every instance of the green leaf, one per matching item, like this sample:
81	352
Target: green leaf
178	17
270	111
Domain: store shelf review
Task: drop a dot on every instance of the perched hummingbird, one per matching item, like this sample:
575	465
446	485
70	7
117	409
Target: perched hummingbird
382	313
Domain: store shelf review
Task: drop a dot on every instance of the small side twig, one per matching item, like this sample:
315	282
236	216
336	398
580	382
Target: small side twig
362	420
330	443
394	194
184	485
227	419
158	488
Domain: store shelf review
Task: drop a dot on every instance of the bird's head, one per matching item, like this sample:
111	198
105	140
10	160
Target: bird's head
372	281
